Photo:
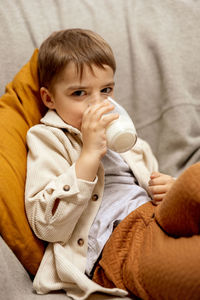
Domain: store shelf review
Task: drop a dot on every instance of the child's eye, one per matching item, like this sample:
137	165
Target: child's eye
78	93
106	90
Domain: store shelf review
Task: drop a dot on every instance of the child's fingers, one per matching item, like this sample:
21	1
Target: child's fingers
155	175
109	118
156	199
101	113
99	109
161	180
159	185
157	181
158	189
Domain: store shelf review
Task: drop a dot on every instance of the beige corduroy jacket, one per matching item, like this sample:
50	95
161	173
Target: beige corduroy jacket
54	147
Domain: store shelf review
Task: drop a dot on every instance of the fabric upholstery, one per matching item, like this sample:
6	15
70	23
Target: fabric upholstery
15	282
20	108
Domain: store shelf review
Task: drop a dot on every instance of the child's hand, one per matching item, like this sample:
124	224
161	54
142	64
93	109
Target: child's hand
159	185
94	122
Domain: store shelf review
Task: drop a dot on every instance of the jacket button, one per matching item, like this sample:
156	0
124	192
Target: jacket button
49	190
80	242
95	197
66	188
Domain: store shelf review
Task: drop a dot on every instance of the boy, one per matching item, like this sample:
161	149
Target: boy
77	190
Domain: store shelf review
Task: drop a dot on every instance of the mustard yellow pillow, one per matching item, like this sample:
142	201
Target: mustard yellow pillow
20	108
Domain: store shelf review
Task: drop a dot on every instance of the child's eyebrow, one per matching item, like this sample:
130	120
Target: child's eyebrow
112	83
76	87
83	87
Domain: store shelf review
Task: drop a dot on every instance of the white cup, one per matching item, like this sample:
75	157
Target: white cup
121	133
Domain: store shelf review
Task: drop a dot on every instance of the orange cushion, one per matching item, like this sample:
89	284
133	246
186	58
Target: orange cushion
20	108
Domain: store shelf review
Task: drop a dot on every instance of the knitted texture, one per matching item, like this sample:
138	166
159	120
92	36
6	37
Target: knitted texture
144	259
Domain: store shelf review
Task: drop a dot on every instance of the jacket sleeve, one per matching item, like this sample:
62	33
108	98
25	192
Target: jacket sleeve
142	162
51	179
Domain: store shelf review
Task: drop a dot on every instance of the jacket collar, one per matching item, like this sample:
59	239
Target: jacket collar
52	119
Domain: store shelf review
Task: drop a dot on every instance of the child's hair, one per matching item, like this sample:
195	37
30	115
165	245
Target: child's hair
82	47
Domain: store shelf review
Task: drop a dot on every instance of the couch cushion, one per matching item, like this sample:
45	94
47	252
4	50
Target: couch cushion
20	108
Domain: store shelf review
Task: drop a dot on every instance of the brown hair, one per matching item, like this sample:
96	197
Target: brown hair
73	45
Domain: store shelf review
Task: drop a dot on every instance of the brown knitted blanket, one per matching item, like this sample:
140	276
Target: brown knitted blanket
154	253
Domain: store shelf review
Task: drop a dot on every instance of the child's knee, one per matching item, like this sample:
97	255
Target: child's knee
179	213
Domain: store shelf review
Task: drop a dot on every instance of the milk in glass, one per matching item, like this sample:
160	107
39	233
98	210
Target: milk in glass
121	134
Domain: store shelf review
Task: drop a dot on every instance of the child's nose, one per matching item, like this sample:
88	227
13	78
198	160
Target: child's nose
97	98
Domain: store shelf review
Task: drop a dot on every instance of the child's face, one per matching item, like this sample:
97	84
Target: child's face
72	95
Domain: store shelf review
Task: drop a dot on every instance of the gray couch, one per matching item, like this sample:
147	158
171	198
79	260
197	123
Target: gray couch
156	45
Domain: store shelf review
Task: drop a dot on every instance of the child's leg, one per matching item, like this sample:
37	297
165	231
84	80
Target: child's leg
169	268
179	213
125	242
141	258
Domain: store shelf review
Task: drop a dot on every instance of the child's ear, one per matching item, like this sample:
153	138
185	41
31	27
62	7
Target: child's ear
47	98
